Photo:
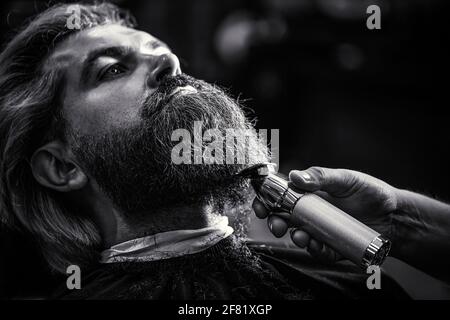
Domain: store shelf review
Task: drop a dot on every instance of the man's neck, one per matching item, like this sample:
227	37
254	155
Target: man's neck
150	223
116	226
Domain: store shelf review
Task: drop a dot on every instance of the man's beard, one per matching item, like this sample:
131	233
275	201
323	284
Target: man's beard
133	165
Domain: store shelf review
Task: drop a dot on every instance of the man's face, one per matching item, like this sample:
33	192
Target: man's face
109	69
120	112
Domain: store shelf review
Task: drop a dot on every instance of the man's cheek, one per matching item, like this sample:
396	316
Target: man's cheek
113	110
97	119
122	101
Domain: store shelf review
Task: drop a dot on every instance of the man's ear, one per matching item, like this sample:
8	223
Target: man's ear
53	167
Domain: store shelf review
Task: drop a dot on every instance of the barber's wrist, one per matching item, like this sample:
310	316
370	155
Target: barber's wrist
405	223
402	200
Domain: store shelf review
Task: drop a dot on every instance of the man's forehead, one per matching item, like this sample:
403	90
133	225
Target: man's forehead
77	47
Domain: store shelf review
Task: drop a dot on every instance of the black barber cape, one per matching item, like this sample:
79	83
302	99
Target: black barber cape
231	270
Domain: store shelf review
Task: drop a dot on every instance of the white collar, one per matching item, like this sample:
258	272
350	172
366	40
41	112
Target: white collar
166	245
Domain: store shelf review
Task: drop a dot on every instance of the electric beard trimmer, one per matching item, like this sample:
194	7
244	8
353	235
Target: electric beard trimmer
321	220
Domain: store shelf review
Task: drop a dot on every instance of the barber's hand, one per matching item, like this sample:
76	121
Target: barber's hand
368	199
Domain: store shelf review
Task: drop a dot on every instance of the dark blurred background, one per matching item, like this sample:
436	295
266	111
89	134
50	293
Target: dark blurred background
342	95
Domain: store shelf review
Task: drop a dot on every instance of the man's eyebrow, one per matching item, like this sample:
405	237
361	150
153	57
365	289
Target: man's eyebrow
153	44
114	52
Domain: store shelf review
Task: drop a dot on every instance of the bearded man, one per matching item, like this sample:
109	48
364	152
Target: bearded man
86	121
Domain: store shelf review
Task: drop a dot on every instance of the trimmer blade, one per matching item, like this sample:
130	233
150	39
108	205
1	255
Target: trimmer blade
257	170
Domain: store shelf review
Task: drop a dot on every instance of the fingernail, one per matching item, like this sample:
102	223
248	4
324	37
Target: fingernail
306	176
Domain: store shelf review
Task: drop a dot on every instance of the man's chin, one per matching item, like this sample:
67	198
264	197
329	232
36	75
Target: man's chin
227	196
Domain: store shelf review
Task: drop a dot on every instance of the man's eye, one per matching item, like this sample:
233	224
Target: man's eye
112	71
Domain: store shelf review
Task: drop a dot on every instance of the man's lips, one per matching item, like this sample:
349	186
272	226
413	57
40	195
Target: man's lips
151	108
181	91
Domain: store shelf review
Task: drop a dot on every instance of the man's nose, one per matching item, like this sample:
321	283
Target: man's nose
164	65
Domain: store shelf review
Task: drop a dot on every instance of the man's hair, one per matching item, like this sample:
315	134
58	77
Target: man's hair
30	108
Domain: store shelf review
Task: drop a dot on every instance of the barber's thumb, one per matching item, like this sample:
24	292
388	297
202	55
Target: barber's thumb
304	180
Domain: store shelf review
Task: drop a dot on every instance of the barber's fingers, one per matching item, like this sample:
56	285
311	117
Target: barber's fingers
322	252
337	182
260	210
278	226
300	238
315	248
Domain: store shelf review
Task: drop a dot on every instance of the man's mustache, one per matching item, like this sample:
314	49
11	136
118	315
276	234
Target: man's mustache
156	101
